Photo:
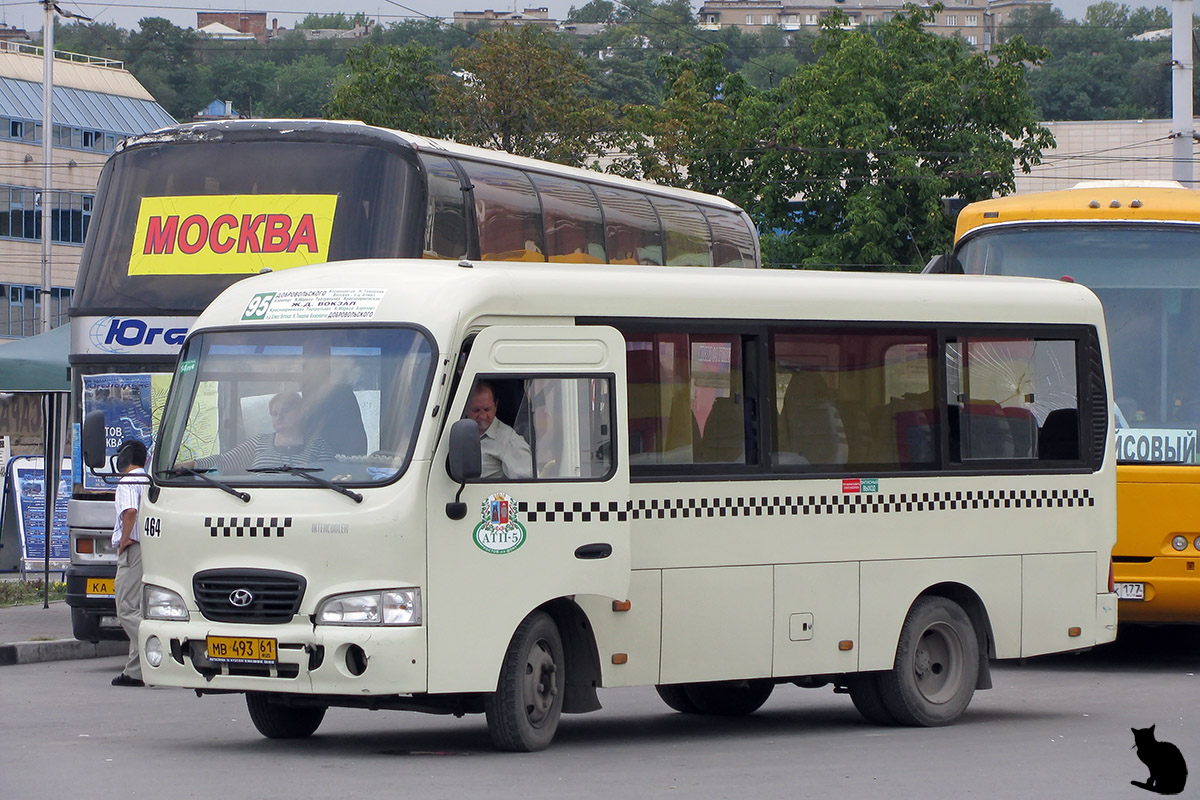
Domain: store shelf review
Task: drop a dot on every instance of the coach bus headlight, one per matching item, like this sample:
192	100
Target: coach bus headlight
162	603
388	607
1179	543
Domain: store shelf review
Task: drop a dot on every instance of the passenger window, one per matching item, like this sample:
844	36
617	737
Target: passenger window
686	233
539	428
687	402
508	214
733	239
853	400
632	231
445	214
574	227
1012	398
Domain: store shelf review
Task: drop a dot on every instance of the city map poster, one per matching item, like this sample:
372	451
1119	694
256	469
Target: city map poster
27	488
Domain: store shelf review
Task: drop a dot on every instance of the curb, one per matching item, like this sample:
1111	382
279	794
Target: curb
58	650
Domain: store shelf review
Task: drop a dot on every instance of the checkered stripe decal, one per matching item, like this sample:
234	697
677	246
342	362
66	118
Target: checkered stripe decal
796	505
252	527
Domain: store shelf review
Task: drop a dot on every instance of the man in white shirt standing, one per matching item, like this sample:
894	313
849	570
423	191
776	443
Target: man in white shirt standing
506	454
131	463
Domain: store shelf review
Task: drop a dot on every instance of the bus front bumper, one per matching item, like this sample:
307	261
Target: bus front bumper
354	661
1169	588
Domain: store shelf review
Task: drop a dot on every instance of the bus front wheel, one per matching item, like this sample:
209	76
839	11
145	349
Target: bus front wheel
523	713
937	665
868	699
275	720
675	695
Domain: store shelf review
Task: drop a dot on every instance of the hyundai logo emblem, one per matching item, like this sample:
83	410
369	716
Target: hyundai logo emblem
241	598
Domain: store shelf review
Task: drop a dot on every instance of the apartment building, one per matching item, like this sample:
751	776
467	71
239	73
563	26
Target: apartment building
96	103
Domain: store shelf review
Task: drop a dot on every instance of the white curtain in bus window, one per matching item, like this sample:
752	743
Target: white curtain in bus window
508	214
632	230
733	239
445	211
570	427
685	233
571	214
686	399
862	399
1012	398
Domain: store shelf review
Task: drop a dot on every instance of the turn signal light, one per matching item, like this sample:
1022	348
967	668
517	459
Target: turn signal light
1074	631
85	544
846	644
622	605
620	658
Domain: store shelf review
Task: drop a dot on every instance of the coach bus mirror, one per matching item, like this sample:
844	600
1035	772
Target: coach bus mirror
943	265
93	439
465	462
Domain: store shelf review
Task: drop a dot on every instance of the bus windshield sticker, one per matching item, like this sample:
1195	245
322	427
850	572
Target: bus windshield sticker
313	304
500	531
857	485
231	234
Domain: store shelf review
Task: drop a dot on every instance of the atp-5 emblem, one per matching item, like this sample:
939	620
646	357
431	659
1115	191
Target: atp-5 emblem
499	531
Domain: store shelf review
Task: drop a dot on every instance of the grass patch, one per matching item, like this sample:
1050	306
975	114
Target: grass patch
23	593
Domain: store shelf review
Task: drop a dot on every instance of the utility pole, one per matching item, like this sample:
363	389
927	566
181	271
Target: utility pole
1183	133
47	152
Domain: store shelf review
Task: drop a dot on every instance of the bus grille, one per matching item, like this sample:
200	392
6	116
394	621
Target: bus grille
248	595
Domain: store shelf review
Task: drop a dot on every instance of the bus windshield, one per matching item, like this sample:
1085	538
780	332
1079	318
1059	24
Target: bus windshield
281	406
1147	278
141	257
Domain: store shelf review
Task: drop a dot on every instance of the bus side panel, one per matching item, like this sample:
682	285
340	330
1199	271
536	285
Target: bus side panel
888	589
815	608
636	633
716	623
1049	610
1154	504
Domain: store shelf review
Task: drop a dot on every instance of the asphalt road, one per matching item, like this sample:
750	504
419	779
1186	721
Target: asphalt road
1053	727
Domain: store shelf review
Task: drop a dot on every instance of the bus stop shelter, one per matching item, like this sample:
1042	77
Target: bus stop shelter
38	364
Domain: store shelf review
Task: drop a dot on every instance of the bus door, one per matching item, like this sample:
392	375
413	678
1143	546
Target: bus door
549	516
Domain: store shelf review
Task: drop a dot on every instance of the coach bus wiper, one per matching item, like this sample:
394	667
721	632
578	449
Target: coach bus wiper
203	475
307	472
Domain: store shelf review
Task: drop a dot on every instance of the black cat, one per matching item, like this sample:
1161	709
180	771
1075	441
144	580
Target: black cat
1168	772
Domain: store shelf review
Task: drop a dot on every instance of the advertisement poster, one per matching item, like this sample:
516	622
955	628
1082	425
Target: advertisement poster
27	487
127	403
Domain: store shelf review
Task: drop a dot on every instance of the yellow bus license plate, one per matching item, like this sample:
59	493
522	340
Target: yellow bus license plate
241	650
100	587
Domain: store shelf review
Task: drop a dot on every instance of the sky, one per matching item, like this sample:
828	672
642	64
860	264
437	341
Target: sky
126	13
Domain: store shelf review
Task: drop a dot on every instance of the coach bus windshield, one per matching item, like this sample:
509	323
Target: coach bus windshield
176	222
257	407
1148	279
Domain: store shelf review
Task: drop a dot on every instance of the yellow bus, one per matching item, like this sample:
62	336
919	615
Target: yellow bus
1137	246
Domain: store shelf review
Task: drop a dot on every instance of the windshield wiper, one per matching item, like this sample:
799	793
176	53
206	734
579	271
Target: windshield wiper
203	475
307	472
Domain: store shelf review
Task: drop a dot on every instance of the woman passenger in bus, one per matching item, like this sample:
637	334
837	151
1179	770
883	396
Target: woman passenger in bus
289	445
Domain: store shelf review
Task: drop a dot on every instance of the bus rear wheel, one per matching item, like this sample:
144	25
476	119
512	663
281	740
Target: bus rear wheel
937	665
523	713
729	698
275	720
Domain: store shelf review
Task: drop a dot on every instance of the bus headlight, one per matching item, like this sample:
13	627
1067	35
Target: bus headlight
387	607
1179	542
160	603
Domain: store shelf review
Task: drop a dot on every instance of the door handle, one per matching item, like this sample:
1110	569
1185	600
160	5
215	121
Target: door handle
596	550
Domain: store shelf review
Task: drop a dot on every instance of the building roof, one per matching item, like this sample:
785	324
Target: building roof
80	108
219	31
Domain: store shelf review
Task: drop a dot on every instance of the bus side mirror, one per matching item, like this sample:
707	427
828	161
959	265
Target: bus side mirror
465	462
93	440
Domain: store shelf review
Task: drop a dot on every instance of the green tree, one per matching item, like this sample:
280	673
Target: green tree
390	86
869	139
301	88
521	90
593	12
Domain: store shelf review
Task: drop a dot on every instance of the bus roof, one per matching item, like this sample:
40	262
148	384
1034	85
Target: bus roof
1118	201
438	294
258	129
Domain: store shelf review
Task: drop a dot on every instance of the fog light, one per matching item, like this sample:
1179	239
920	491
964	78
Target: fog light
1179	542
154	651
1196	543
